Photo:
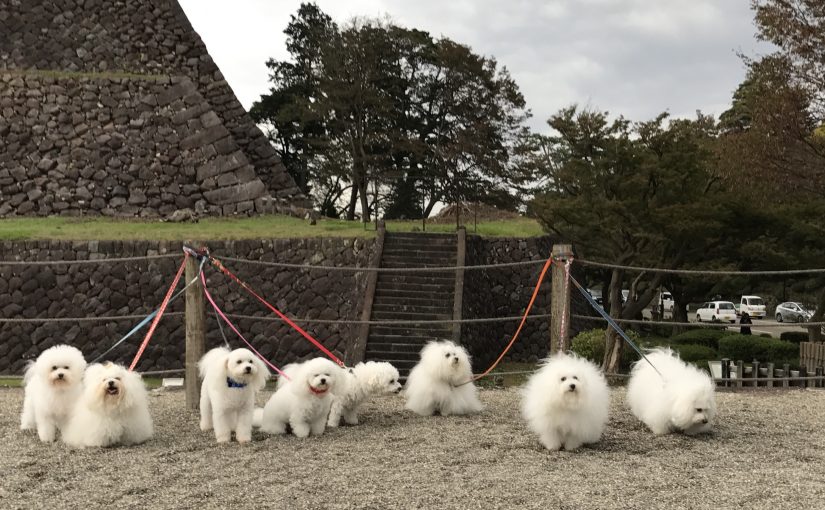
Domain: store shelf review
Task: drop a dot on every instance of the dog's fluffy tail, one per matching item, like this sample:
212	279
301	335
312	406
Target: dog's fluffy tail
212	358
258	417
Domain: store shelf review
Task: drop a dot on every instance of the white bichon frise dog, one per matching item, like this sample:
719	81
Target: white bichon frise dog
113	409
680	400
356	385
230	381
441	382
566	402
303	401
54	383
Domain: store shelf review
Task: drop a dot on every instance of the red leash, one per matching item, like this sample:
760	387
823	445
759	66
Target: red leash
160	312
277	312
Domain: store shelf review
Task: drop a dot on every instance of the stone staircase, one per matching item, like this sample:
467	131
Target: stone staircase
412	296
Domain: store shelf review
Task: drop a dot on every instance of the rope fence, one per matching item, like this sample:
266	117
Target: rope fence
86	261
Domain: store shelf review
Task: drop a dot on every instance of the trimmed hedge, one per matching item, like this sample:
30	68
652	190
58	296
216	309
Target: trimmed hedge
704	336
697	354
590	345
794	336
766	350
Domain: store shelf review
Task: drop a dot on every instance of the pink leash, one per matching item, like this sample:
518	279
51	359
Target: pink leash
232	326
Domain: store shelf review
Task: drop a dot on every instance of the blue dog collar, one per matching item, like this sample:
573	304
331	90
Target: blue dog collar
234	384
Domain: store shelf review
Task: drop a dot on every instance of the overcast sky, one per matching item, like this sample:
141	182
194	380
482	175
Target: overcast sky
634	57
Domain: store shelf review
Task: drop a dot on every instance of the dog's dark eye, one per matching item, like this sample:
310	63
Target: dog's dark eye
575	377
563	379
54	368
239	362
392	381
698	409
447	355
117	378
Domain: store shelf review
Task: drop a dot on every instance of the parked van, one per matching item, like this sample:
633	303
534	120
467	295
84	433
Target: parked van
753	306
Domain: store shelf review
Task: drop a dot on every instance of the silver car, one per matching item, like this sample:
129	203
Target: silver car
792	312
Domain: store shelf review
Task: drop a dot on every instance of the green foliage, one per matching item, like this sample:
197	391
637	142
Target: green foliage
591	345
708	337
371	102
748	348
794	336
697	354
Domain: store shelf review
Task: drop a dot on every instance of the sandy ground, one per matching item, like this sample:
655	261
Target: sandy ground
768	451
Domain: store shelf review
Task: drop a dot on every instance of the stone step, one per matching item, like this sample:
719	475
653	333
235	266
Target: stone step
410	346
418	303
391	308
413	263
398	355
396	315
419	252
407	330
403	365
403	295
391	288
421	237
416	279
437	249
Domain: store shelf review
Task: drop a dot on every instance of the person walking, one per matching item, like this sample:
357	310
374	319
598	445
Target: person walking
744	324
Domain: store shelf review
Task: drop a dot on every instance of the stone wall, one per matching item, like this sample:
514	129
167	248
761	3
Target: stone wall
136	288
505	292
73	145
140	40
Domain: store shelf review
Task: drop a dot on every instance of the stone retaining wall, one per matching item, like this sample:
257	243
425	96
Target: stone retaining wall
138	287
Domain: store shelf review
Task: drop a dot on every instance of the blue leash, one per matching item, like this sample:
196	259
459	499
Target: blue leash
613	324
148	318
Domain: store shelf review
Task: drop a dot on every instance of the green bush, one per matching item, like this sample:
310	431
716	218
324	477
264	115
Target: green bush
794	336
590	345
708	337
766	350
698	354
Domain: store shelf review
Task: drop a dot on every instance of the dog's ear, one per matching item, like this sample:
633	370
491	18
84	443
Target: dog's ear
262	374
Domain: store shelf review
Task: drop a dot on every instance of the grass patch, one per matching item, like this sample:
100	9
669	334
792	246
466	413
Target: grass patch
11	382
211	229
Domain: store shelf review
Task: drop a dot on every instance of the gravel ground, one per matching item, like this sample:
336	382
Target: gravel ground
768	451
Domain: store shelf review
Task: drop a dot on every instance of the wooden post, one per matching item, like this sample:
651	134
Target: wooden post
458	300
818	373
740	373
771	375
357	347
755	374
195	333
560	300
786	369
726	371
803	372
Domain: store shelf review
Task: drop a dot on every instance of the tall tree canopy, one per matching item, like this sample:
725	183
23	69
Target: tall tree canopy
421	118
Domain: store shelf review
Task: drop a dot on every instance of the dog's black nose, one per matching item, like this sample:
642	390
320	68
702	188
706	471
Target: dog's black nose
572	387
248	370
705	420
60	376
323	381
111	384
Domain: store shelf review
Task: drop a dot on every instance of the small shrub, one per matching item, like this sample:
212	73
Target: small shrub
590	345
697	354
704	336
794	336
766	350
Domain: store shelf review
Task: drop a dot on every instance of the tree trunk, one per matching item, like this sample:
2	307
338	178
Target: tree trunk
353	199
815	332
613	344
365	200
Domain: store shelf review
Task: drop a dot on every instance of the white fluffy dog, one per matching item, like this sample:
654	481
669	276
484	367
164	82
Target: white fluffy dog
566	402
303	402
440	382
680	400
230	381
54	383
356	385
112	410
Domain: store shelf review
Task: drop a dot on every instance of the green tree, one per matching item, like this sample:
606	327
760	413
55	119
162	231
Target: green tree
633	194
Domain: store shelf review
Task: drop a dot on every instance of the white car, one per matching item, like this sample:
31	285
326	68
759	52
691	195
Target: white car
792	312
716	311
